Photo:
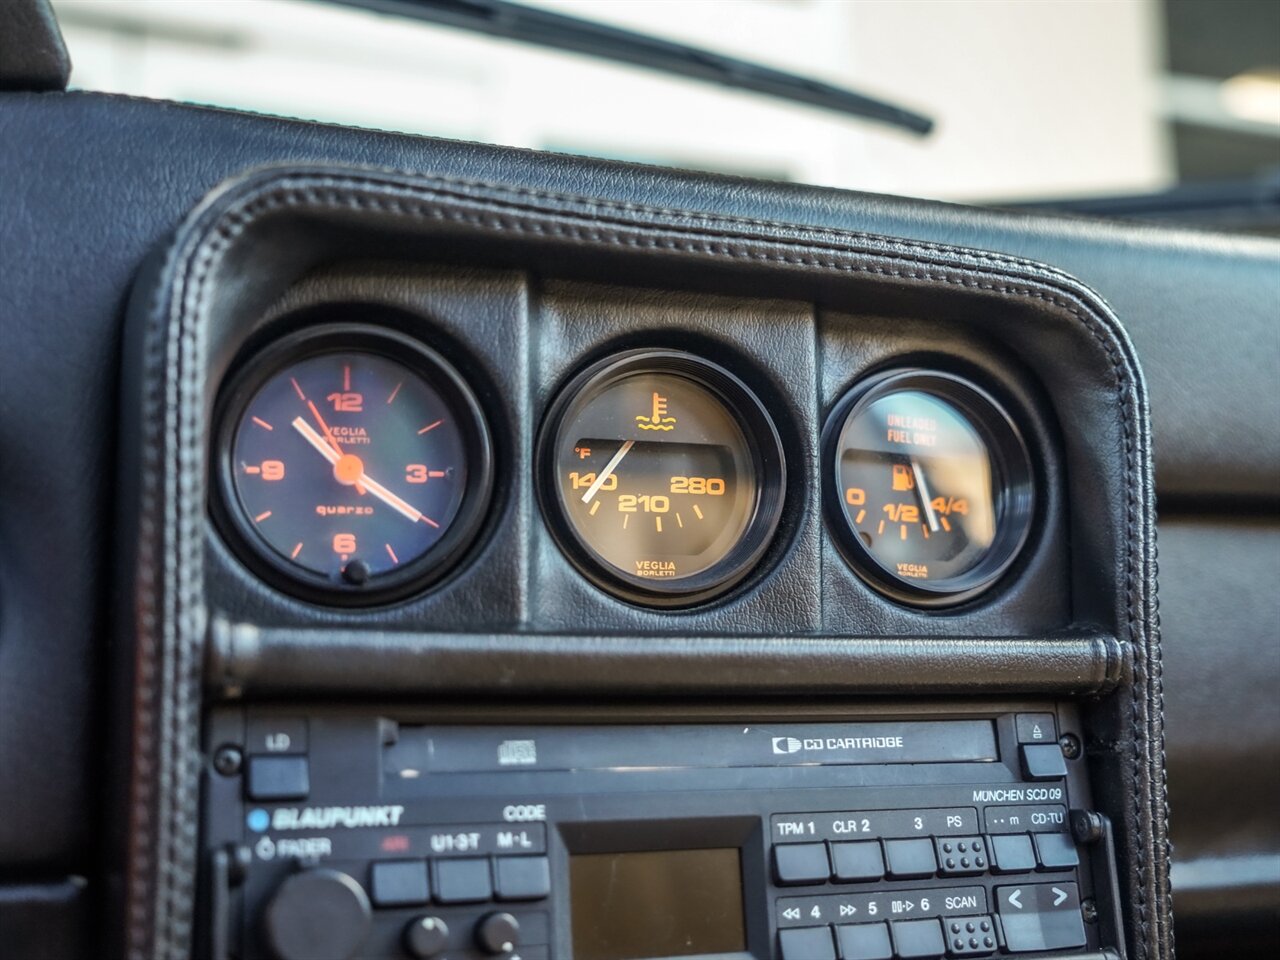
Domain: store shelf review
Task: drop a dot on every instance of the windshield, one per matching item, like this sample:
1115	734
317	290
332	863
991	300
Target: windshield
1031	100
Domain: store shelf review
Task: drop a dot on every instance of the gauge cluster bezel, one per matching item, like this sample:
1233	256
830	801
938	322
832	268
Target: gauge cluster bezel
1013	482
764	445
365	336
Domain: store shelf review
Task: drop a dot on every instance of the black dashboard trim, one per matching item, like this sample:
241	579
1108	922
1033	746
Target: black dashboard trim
168	604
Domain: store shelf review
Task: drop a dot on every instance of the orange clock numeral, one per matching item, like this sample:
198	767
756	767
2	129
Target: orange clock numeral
346	402
272	469
344	543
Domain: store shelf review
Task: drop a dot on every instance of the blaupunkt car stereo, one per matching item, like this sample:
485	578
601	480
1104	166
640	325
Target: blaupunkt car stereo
964	833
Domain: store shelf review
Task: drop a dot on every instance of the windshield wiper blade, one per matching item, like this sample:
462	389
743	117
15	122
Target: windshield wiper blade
513	21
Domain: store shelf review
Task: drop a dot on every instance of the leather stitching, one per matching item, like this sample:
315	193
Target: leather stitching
180	335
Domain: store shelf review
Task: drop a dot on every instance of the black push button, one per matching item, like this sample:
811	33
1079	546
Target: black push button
910	858
918	938
399	883
969	936
278	778
462	881
806	943
521	878
798	863
1043	761
958	856
1056	851
1040	916
857	860
1012	853
1036	728
864	941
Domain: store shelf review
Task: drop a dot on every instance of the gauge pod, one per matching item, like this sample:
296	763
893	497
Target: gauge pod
353	464
661	476
930	490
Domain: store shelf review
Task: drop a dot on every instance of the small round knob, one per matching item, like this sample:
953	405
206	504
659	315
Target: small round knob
317	913
426	937
498	933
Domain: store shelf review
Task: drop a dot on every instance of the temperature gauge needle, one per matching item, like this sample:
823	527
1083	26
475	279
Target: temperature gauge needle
922	490
607	472
349	470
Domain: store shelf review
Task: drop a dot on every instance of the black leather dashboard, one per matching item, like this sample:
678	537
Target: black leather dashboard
98	182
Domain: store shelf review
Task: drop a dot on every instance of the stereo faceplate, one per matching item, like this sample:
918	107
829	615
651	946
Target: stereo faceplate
332	833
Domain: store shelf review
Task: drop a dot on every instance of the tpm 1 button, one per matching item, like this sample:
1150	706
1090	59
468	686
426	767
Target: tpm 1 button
800	863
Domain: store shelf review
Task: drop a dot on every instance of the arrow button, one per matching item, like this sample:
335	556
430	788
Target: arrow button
1015	898
1059	895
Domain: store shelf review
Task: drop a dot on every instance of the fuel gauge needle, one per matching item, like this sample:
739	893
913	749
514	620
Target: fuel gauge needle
607	472
922	489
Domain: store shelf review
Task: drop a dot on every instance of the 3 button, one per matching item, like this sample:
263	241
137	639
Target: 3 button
910	859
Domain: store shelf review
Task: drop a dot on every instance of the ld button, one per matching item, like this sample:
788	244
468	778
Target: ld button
1041	916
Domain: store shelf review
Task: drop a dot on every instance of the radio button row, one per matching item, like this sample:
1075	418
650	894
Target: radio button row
806	943
795	864
958	856
881	905
873	824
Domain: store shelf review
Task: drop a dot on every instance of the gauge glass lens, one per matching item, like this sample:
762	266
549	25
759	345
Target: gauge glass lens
655	476
348	465
916	486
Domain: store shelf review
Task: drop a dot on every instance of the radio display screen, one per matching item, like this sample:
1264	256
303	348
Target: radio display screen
656	903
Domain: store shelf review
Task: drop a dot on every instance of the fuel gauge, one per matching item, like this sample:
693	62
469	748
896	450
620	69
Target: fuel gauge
932	490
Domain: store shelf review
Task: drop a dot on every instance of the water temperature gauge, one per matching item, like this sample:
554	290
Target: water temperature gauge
931	486
662	476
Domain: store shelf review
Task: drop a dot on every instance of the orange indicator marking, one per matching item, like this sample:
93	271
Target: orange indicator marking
945	524
594	507
262	516
625	518
296	550
392	554
395	391
903	529
429	522
862	515
301	396
249	469
925	528
698	510
430	426
435	473
658	521
262	423
679	522
346	376
880	529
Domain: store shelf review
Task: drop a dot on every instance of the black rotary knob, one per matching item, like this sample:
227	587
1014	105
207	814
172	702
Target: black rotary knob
426	937
317	914
498	933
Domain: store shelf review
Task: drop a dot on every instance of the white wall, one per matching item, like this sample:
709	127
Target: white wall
1032	97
